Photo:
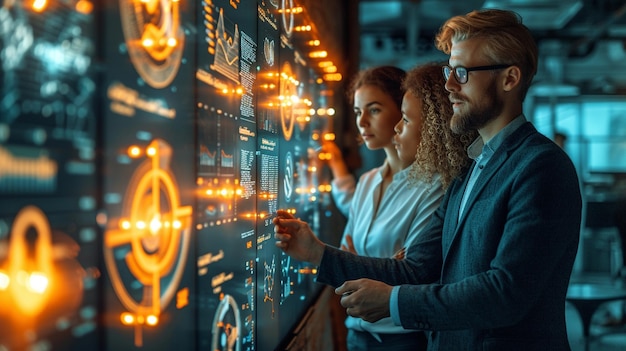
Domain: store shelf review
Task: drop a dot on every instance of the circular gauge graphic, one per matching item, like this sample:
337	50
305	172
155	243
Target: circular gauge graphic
288	180
154	37
287	92
287	14
268	51
150	240
226	326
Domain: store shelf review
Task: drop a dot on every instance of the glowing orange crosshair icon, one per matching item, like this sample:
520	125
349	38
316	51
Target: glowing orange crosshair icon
152	235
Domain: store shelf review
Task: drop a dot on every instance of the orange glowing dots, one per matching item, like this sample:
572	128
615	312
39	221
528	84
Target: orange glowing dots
331	112
172	42
333	77
182	298
324	156
152	320
321	111
239	91
303	28
209	192
313	43
326	188
85	7
323	64
225	91
101	218
177	224
318	54
330	69
248	244
125	225
329	136
141	225
127	318
311	112
151	151
147	43
155	226
134	151
37	282
295	10
40	5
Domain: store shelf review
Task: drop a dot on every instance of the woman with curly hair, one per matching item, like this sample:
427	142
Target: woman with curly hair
437	153
393	203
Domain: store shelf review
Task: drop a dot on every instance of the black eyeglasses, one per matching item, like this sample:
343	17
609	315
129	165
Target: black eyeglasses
461	73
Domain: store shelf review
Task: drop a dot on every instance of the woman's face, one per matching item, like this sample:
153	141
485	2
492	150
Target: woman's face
376	115
409	129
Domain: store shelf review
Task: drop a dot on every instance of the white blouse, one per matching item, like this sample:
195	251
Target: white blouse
381	226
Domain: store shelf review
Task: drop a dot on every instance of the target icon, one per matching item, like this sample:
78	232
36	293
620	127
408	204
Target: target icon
226	326
148	244
155	39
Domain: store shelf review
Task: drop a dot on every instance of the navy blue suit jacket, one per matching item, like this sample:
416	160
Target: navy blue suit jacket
495	278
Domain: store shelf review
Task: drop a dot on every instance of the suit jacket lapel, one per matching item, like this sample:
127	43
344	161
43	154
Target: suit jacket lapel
496	162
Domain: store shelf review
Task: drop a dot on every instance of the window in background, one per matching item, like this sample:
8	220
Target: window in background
595	127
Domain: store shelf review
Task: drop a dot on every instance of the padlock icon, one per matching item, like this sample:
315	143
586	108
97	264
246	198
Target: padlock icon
30	266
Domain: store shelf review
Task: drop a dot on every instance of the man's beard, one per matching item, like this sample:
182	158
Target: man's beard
478	115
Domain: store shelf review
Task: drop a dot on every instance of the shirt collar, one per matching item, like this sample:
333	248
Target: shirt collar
478	147
400	175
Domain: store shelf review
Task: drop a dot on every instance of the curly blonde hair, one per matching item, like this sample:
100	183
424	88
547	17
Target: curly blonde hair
439	151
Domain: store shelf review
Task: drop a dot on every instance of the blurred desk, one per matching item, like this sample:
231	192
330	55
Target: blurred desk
586	298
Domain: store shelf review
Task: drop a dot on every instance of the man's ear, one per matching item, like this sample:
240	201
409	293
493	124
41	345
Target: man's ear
512	78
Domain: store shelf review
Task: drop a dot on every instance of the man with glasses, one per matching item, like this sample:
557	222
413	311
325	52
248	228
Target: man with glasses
491	270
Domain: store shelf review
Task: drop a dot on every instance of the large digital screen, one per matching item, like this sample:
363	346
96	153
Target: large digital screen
145	147
148	184
48	175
